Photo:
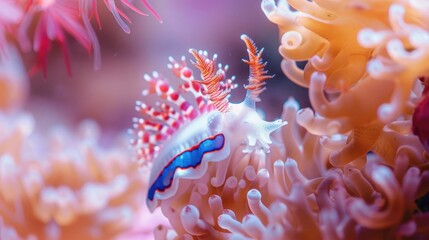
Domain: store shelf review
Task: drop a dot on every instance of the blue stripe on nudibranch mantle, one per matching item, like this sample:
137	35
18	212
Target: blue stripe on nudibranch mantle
191	157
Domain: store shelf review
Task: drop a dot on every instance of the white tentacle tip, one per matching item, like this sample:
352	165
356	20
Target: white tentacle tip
375	68
268	6
318	77
386	113
225	220
368	38
254	194
190	212
291	103
396	10
291	40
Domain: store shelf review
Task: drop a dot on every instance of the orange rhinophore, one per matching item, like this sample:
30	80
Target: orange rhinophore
212	80
257	74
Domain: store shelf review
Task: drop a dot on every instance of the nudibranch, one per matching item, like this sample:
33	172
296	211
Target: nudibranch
194	124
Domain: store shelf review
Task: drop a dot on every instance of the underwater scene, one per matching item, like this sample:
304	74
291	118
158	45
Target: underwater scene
200	119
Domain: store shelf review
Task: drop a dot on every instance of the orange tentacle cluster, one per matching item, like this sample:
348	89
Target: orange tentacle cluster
212	80
257	74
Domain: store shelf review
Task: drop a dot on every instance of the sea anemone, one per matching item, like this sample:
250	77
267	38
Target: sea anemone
354	49
89	8
304	198
37	25
54	18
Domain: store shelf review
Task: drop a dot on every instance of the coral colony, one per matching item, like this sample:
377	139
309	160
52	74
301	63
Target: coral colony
353	166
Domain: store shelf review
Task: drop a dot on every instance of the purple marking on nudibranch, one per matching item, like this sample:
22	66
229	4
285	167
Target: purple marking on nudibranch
191	157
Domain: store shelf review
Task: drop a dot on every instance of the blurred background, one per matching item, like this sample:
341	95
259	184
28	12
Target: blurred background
108	94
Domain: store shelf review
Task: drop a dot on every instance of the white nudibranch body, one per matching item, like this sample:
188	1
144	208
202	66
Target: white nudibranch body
180	137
